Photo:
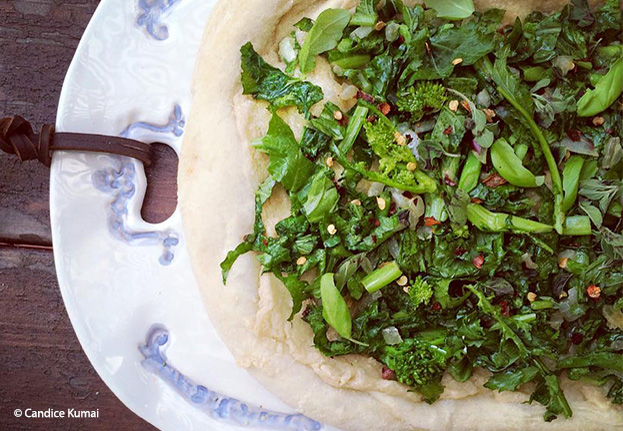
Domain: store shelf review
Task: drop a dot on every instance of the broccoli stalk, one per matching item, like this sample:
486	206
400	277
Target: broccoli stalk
424	98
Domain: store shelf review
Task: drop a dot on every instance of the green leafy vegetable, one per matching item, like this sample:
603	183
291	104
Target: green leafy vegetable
452	9
323	36
606	92
510	167
265	82
334	308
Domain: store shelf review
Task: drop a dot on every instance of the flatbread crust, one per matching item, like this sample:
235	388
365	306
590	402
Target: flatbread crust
219	174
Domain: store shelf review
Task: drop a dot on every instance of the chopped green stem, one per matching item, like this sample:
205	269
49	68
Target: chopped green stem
559	215
354	128
488	221
382	277
352	62
577	226
364	20
541	305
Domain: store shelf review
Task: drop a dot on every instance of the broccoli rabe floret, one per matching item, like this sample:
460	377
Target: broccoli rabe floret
420	292
418	364
426	97
388	145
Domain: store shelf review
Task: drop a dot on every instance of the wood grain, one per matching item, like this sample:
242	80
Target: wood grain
43	365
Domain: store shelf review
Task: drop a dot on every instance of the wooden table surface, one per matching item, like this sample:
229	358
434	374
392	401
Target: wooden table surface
43	365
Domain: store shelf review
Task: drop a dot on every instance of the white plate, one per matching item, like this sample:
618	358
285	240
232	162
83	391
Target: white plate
127	285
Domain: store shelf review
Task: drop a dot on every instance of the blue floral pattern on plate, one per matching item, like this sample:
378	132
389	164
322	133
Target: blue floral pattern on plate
151	14
216	405
120	182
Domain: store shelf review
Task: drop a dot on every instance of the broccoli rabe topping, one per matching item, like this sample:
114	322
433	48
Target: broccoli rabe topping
466	212
424	98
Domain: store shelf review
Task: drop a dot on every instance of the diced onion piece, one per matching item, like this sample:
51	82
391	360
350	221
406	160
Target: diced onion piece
392	336
613	316
286	50
361	33
392	32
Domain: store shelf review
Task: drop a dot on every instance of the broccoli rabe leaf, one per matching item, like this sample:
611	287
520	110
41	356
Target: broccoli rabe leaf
287	163
265	82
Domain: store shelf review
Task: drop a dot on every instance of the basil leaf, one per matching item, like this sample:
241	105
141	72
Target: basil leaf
606	92
452	9
334	308
511	168
265	82
323	36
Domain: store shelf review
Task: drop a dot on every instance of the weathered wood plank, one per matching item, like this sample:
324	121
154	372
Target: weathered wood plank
43	365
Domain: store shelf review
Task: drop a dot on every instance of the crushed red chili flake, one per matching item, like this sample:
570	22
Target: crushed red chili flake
392	209
594	291
401	40
377	223
265	241
374	239
505	308
479	261
385	108
388	374
459	251
449	181
476	201
574	135
494	181
407	195
344	121
448	130
436	306
364	96
431	221
306	312
577	338
371	119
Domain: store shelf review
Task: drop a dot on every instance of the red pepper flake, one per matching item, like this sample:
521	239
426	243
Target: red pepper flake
371	119
479	261
574	135
448	130
466	106
577	338
494	181
364	96
388	374
265	241
476	201
377	223
374	239
449	181
431	221
344	121
392	209
407	195
594	291
459	251
505	308
436	306
401	40
385	108
306	312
